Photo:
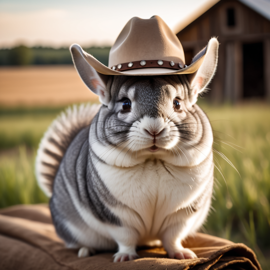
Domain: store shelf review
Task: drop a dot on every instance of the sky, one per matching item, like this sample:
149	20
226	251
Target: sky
93	22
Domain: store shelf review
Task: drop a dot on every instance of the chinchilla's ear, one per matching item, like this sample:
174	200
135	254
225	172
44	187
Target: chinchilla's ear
95	81
200	79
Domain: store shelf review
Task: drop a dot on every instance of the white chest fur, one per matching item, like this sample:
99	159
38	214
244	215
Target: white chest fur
151	191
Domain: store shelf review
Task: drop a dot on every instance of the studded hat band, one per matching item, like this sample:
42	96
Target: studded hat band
148	64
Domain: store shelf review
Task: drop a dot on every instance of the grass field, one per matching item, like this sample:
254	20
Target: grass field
241	200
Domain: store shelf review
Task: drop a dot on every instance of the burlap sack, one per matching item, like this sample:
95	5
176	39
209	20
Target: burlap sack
28	241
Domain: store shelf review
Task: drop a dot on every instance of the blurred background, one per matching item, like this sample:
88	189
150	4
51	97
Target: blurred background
37	81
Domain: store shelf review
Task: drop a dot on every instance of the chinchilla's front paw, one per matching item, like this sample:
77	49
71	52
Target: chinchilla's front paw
122	257
183	253
86	252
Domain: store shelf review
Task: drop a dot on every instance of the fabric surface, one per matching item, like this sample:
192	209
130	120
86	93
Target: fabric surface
28	241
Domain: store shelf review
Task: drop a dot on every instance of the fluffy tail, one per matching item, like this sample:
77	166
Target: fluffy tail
56	141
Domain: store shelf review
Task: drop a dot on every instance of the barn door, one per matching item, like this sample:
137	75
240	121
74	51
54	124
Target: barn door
253	70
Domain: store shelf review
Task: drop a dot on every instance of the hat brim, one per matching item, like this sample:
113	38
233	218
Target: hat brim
100	68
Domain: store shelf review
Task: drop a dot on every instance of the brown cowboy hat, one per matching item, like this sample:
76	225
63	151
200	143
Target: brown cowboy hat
145	47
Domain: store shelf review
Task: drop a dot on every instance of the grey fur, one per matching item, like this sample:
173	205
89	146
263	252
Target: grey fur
77	172
57	140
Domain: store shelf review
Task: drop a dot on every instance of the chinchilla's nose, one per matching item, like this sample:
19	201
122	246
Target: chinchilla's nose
154	132
155	127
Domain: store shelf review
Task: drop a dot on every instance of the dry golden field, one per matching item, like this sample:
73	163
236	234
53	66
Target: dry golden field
42	86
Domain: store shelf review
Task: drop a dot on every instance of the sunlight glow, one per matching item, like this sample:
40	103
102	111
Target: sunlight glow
58	23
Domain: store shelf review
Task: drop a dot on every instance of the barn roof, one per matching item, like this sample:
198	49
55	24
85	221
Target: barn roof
260	6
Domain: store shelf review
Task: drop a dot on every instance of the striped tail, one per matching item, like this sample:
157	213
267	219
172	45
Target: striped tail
56	141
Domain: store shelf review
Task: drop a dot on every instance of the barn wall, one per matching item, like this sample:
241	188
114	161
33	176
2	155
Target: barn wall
250	27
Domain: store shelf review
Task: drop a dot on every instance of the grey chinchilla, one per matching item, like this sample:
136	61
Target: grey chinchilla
135	170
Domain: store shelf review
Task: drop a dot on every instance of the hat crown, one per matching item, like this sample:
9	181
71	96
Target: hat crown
146	39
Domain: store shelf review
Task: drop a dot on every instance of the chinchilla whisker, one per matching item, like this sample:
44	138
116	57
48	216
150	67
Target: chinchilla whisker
129	148
221	175
217	162
123	149
195	148
188	139
223	133
232	145
218	167
186	122
177	153
179	148
108	137
226	159
112	150
105	137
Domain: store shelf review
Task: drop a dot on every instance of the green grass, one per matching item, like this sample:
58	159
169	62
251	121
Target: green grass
241	204
17	180
22	130
20	133
25	126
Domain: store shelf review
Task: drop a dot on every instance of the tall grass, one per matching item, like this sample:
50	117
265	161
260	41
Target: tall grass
17	181
241	204
242	138
24	126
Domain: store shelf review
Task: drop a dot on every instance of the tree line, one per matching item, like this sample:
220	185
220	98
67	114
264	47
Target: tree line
23	56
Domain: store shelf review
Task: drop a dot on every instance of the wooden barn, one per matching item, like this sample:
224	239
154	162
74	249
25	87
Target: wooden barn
243	30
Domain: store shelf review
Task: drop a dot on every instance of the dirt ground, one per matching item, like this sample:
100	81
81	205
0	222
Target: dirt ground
42	86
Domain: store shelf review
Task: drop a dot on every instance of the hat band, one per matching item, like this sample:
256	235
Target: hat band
148	64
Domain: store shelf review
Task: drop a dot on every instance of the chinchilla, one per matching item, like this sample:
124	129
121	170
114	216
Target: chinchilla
135	170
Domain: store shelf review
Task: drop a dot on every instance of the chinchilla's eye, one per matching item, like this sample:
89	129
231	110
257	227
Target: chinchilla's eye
176	105
126	106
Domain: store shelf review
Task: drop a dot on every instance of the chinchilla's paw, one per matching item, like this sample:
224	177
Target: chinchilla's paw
183	253
122	257
86	252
